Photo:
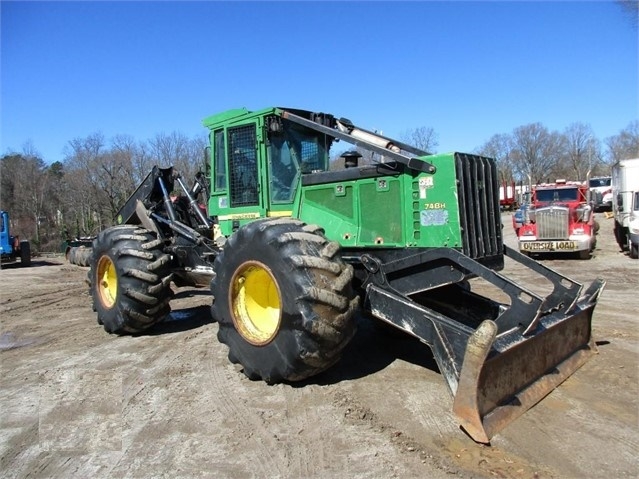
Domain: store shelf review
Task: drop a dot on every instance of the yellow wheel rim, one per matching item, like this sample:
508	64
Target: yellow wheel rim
256	304
107	279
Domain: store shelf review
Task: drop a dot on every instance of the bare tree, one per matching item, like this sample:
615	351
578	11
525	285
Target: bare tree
630	9
177	150
582	154
83	156
26	192
131	153
424	137
536	152
624	145
500	148
108	172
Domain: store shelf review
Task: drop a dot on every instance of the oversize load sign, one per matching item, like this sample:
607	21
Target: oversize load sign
548	246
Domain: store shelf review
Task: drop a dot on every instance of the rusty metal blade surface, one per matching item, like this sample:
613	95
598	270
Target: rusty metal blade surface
501	377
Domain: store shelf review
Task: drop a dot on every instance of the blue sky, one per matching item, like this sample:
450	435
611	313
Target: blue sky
467	69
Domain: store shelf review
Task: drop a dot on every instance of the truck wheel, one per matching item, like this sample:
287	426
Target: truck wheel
25	253
620	236
284	300
129	279
584	254
633	249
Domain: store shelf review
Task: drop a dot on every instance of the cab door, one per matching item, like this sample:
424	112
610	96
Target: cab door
236	197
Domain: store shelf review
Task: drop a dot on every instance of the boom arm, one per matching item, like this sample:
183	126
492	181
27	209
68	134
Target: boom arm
345	130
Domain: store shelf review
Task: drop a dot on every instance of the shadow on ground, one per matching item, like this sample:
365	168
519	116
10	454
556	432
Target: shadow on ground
374	347
182	320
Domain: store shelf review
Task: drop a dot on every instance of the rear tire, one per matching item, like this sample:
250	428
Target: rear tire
129	279
25	253
620	236
633	250
284	300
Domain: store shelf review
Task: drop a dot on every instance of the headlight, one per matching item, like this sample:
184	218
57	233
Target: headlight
578	231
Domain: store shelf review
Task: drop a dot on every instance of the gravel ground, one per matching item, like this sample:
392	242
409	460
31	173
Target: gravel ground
78	402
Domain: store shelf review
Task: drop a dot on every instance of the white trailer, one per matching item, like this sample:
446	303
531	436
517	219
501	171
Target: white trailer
625	206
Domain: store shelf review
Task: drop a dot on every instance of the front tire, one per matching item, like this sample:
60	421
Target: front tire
620	236
284	301
584	254
129	279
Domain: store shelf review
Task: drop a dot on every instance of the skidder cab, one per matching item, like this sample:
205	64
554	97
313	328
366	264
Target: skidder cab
294	246
559	220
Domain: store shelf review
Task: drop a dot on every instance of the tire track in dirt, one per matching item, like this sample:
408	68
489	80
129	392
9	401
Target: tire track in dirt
305	448
35	302
139	393
19	450
265	451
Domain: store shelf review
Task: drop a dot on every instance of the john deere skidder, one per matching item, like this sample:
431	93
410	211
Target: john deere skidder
293	249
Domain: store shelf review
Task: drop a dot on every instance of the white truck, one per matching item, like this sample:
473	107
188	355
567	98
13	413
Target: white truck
625	206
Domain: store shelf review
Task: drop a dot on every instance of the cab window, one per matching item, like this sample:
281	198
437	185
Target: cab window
220	161
243	166
294	151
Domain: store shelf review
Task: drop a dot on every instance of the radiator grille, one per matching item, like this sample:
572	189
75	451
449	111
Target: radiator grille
478	192
552	223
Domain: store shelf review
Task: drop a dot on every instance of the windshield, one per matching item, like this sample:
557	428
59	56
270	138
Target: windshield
599	182
297	150
558	195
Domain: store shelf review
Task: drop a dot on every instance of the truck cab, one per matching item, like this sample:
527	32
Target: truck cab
11	248
257	160
625	208
558	220
601	193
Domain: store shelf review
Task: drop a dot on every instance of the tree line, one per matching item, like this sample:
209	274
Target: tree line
51	203
533	154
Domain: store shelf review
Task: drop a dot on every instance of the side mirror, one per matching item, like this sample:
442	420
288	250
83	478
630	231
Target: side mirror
583	213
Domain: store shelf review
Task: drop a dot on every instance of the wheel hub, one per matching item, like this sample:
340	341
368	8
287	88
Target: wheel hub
107	280
255	301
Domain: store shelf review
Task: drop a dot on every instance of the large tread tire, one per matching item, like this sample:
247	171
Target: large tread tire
25	253
315	302
129	279
584	254
85	256
620	236
71	255
633	249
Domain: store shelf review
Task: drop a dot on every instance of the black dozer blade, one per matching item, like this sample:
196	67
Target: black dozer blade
500	367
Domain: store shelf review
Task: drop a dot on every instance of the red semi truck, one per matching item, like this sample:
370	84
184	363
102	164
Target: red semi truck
558	220
507	196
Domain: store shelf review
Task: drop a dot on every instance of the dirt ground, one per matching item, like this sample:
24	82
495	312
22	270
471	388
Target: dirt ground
78	402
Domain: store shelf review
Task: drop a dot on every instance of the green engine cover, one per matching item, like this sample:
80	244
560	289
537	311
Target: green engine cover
408	209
